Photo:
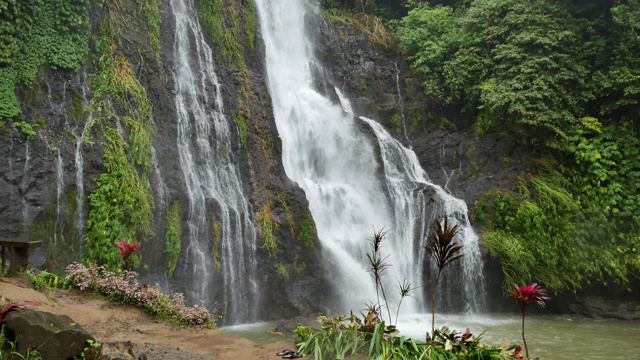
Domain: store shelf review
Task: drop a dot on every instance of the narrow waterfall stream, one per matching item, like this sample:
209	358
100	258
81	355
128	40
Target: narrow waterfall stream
81	135
401	104
59	188
211	178
327	154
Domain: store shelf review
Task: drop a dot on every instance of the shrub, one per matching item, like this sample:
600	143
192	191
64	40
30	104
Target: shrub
124	288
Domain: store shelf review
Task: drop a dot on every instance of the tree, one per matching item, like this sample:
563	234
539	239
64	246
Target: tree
512	64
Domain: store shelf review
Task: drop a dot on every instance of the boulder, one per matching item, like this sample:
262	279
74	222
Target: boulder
55	337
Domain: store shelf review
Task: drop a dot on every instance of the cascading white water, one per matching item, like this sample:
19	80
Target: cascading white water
162	193
325	152
59	189
81	137
406	181
211	177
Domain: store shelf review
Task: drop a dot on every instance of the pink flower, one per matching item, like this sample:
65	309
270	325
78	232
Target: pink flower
126	249
528	294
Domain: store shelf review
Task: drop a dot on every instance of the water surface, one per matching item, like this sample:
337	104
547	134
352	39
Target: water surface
548	336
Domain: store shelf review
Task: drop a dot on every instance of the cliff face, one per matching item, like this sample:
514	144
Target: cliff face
380	85
51	180
47	177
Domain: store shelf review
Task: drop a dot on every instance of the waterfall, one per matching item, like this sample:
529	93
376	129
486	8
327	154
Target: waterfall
211	178
79	163
162	193
26	217
401	103
59	189
406	183
328	155
81	137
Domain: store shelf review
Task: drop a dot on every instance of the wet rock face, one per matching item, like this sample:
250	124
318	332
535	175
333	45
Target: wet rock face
38	184
598	307
366	72
468	165
55	337
376	78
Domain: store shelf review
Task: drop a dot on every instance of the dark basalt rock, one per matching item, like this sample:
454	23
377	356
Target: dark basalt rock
55	337
288	326
597	307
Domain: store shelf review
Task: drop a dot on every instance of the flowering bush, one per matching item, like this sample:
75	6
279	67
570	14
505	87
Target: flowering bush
124	288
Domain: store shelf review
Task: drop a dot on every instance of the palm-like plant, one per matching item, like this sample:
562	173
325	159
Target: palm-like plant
443	251
378	266
526	295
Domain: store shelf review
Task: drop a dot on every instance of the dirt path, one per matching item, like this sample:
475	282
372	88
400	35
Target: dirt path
111	323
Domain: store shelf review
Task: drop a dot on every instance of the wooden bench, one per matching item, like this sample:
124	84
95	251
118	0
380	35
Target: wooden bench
19	252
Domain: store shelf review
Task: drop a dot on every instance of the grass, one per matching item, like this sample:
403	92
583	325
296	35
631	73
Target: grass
370	25
268	227
216	229
172	239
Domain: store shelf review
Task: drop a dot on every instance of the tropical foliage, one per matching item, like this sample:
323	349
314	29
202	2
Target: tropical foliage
561	77
34	33
122	287
120	205
342	336
122	202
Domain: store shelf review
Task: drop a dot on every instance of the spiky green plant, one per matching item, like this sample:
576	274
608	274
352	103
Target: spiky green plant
406	290
378	265
443	251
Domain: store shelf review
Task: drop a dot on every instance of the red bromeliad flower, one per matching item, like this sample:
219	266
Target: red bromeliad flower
524	296
126	249
528	294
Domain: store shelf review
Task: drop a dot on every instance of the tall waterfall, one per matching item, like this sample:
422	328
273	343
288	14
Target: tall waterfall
327	154
211	178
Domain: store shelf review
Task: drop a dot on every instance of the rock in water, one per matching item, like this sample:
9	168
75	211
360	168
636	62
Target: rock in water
55	337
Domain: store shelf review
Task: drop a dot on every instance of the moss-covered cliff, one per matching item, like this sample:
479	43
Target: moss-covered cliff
88	145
